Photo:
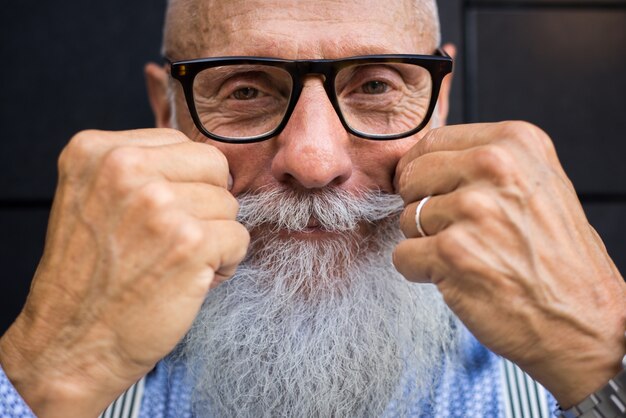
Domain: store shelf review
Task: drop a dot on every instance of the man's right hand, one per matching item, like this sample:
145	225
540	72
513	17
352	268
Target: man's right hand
142	226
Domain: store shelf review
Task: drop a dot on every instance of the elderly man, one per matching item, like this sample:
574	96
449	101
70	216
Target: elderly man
305	160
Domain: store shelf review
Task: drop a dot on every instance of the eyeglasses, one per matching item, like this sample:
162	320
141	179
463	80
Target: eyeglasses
250	99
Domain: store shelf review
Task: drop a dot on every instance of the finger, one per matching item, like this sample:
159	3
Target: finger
131	166
433	218
206	201
408	222
97	142
200	200
432	174
440	212
443	172
454	138
226	246
415	260
211	252
188	162
152	137
83	152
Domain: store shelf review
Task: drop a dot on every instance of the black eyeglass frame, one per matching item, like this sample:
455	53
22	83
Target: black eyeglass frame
438	65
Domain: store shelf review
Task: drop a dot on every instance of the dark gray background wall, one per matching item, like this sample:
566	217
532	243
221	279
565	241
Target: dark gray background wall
73	65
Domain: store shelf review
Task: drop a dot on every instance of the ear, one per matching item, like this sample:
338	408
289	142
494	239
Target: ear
157	86
443	102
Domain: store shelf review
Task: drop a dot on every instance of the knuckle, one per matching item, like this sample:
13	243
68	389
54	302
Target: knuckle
528	135
474	204
230	202
220	163
219	160
542	142
79	148
155	196
83	140
122	159
188	236
451	245
65	162
516	129
121	166
243	237
244	234
160	223
183	235
228	244
175	134
493	162
225	200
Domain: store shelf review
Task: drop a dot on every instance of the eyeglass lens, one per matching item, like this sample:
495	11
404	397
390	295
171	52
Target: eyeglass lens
244	101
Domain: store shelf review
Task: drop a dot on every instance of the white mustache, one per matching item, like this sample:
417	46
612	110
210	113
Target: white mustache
331	209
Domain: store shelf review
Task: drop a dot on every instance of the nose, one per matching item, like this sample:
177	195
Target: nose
313	149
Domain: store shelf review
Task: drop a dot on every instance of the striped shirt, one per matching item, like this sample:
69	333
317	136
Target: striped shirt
482	385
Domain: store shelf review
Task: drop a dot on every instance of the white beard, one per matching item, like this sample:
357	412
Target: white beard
318	328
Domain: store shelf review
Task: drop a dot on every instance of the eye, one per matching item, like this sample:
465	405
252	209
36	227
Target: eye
245	93
375	87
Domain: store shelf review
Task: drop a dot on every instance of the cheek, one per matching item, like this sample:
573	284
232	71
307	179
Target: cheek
376	161
249	164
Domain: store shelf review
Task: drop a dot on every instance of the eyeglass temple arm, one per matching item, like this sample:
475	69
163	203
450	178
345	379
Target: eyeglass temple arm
442	52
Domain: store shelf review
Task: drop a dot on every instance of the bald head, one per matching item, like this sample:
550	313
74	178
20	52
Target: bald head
287	28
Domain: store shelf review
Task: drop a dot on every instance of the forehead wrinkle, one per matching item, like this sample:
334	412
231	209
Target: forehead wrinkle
275	43
332	49
202	28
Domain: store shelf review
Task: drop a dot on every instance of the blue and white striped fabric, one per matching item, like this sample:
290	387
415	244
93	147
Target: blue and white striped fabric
128	404
482	385
523	397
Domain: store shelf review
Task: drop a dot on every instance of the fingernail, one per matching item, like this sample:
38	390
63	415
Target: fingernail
230	182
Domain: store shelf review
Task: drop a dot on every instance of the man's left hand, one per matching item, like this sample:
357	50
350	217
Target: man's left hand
511	251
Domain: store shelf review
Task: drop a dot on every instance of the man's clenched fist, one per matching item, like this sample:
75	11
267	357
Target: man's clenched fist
513	254
141	228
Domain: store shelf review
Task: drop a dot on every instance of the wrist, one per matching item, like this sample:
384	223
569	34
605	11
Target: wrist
584	383
589	375
574	369
47	390
609	401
